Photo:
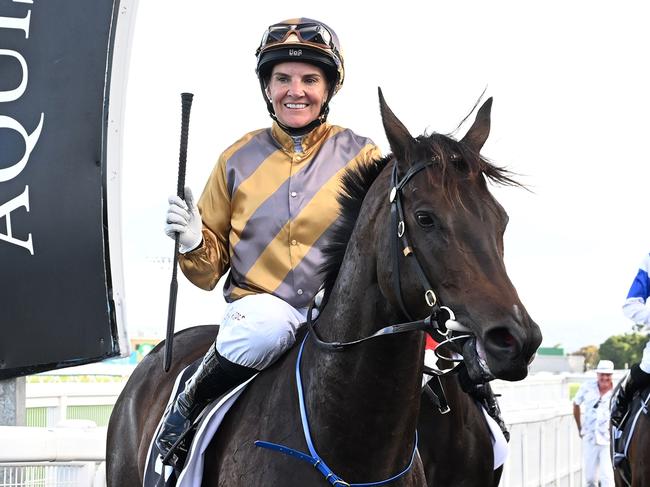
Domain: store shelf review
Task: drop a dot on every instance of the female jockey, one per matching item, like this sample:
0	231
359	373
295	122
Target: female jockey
263	215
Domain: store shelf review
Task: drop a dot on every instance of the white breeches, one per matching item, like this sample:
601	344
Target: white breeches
598	464
645	359
257	329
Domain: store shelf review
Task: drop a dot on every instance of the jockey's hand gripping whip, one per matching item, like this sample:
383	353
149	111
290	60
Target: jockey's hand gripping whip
186	100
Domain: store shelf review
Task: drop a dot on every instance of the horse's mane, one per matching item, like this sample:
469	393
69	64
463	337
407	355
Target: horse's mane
355	183
453	159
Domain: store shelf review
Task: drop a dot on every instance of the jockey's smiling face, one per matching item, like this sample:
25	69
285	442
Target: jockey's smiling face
297	92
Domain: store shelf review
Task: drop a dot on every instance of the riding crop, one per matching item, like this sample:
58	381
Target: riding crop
186	100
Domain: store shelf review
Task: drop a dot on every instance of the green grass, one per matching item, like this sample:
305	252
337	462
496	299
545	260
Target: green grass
36	417
100	414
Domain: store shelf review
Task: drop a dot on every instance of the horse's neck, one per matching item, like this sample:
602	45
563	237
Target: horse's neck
366	398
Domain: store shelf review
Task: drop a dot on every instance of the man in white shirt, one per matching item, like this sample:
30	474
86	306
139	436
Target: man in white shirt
593	425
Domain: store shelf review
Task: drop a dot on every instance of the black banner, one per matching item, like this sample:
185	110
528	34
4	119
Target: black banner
56	294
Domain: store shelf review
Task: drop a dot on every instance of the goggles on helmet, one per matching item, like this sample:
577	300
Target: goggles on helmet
312	34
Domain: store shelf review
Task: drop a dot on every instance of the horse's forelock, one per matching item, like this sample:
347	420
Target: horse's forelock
456	162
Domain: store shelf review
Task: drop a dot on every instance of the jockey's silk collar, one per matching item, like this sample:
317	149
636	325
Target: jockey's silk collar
308	140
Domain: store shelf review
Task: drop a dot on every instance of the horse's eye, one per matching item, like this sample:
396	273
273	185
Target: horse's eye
424	219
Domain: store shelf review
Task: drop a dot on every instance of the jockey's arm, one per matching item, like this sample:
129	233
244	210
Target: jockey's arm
637	310
636	306
205	265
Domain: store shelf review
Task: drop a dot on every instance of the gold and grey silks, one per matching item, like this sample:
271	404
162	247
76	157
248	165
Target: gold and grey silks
266	209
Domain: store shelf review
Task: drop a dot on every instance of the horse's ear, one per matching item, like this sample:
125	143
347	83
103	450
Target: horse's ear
399	138
480	129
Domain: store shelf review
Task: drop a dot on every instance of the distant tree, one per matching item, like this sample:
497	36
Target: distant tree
625	349
591	355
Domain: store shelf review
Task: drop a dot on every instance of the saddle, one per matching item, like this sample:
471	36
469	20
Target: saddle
622	436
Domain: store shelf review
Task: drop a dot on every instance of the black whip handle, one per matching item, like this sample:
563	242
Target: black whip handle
186	100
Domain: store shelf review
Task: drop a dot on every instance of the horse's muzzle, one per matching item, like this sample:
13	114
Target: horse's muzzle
509	349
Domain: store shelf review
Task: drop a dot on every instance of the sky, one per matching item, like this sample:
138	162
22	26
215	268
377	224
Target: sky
570	116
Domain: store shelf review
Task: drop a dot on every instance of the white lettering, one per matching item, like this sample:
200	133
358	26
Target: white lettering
5	211
16	93
30	141
10	172
14	23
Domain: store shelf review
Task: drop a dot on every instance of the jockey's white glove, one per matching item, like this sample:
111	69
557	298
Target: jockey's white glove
183	218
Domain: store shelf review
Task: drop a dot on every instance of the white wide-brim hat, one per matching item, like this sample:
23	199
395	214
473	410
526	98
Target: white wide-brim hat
605	367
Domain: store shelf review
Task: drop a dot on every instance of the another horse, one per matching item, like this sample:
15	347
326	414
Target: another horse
636	469
456	447
363	401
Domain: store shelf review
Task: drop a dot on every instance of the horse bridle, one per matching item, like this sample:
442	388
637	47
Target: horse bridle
441	322
398	221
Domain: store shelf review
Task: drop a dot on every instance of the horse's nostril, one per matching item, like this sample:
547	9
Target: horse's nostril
501	338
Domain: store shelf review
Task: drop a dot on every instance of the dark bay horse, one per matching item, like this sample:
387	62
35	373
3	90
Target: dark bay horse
364	402
638	453
636	470
456	447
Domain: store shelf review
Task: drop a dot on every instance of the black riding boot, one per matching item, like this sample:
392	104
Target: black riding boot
483	393
215	376
636	380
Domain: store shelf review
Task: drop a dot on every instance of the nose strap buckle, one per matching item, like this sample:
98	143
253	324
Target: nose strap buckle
431	299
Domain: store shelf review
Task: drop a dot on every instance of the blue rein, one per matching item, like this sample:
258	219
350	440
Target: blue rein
315	460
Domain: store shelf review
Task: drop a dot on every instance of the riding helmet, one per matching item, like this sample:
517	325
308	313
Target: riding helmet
301	40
